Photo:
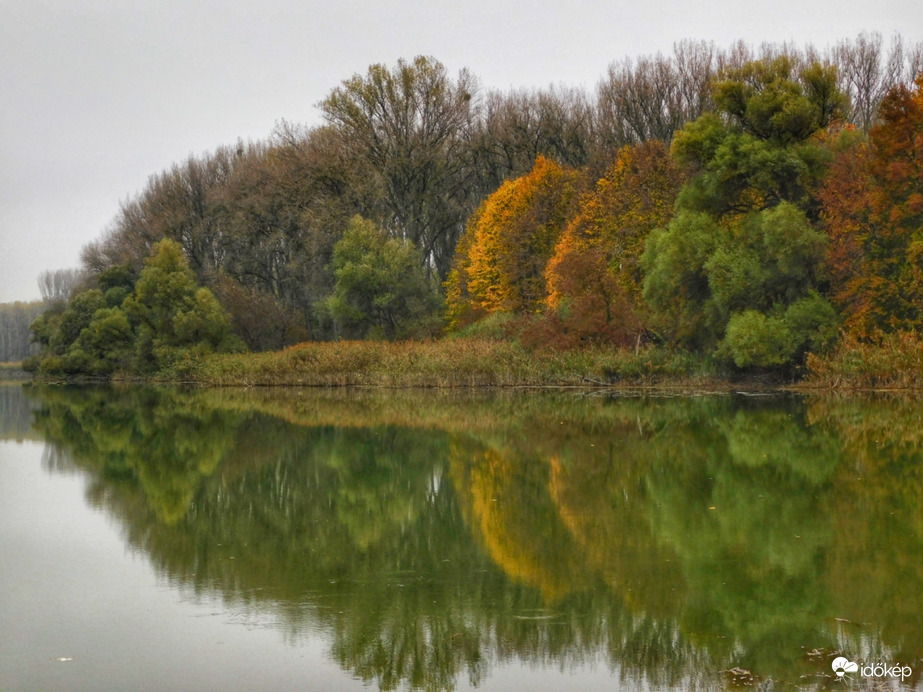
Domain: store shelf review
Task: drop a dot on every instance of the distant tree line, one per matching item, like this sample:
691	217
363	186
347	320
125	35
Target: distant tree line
536	201
15	338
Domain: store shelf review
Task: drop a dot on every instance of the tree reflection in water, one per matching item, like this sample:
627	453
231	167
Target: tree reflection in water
434	534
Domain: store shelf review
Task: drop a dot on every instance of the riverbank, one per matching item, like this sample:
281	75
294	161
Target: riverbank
893	363
13	372
449	363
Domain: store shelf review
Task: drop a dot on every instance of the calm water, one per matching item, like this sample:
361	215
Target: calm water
235	540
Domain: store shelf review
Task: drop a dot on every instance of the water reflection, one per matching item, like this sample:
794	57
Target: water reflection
432	536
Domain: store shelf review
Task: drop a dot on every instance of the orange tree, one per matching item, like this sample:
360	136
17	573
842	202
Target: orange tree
844	196
872	208
593	278
500	262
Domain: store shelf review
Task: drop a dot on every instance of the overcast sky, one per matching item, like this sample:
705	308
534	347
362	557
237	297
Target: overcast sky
96	95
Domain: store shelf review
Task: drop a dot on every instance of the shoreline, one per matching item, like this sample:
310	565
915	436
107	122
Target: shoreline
479	363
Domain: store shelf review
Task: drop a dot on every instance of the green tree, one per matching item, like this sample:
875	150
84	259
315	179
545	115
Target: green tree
146	325
172	313
382	290
744	239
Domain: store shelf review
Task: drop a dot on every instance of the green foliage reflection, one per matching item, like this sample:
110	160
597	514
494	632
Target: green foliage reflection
433	535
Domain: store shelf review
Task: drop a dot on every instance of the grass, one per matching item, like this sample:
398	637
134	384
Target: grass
463	362
893	362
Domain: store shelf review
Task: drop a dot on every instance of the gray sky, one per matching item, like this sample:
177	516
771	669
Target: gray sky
96	95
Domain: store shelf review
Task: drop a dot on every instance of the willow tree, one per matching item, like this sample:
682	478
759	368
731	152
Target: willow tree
738	267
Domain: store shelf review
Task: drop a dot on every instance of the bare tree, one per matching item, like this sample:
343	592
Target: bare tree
56	286
518	126
410	124
867	72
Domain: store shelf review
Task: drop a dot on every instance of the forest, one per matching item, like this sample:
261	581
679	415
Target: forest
758	207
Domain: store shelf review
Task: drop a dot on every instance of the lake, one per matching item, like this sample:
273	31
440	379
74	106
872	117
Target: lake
302	539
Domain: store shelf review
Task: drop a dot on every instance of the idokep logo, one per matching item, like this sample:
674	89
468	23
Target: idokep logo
842	665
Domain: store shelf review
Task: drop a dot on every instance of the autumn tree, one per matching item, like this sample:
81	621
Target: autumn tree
845	199
593	277
258	223
873	210
286	209
500	264
895	251
741	258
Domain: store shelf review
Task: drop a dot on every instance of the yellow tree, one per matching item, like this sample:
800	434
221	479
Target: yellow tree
500	262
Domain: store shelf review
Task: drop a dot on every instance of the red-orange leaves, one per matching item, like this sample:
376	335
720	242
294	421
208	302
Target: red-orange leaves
873	212
593	277
845	204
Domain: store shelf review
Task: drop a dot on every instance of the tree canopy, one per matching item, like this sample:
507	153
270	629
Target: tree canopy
381	289
741	259
741	203
135	327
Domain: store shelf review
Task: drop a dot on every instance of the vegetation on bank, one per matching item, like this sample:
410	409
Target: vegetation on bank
895	361
144	326
463	362
776	211
12	371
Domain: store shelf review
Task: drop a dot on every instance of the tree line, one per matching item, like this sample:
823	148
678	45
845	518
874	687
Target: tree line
421	189
15	337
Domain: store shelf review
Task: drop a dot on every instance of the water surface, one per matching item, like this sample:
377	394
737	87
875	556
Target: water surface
316	539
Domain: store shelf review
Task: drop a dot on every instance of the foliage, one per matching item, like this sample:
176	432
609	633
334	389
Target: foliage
258	225
138	326
500	264
844	213
758	339
593	277
418	150
382	290
743	240
873	213
408	124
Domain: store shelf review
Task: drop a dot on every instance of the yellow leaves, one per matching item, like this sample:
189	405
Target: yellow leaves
500	266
